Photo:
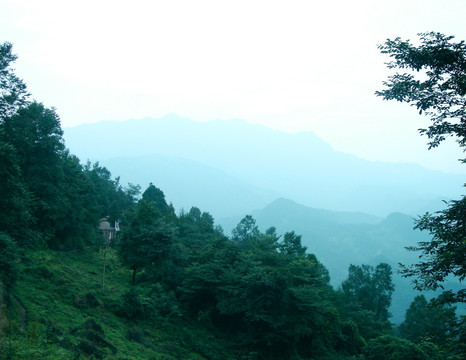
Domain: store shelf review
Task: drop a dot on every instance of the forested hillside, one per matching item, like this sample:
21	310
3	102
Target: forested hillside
93	269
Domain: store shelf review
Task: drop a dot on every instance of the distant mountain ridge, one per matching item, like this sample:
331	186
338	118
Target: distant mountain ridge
188	183
300	166
340	238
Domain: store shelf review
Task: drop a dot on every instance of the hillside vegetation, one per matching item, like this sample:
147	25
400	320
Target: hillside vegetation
92	269
60	311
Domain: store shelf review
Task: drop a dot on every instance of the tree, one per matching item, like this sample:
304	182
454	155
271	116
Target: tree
79	210
384	288
146	242
9	269
111	199
245	232
291	245
440	88
64	201
35	133
366	298
157	197
444	255
431	322
388	347
275	298
15	202
371	288
13	93
272	297
436	86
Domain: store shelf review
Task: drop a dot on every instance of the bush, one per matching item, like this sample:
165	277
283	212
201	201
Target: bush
9	269
87	301
135	305
136	334
350	342
92	339
392	348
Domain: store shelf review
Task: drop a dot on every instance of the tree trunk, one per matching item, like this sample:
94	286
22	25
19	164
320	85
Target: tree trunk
133	281
105	264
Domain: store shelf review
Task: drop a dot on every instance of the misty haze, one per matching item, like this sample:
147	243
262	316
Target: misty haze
219	180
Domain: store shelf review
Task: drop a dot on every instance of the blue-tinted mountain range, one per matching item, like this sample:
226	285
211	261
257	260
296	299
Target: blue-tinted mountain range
228	167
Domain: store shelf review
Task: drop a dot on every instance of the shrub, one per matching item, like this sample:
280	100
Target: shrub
389	347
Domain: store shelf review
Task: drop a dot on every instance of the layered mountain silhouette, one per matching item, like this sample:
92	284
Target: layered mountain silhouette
188	183
340	238
228	167
232	168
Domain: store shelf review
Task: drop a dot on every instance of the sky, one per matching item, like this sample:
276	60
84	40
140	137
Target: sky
288	65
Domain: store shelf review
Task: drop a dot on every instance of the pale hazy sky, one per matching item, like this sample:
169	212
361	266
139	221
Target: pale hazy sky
289	65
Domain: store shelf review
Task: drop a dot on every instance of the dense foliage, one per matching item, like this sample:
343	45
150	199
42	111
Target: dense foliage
198	293
367	296
435	85
13	93
428	321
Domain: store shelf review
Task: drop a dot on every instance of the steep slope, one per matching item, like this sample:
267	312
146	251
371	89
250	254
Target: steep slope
300	166
69	315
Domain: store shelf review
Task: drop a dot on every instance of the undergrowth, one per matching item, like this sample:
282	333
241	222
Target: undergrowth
62	312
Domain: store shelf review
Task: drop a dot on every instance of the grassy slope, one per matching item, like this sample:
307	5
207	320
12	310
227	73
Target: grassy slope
53	289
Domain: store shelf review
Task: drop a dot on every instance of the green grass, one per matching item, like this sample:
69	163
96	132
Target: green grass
69	316
61	291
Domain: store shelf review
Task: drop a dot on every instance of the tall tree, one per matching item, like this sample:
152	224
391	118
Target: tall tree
15	202
371	288
436	86
246	232
111	199
367	297
291	245
146	242
444	255
42	183
9	269
277	298
35	133
155	196
80	213
13	93
384	288
431	322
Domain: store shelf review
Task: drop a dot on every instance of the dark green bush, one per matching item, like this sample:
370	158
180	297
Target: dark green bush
87	301
389	347
135	305
136	334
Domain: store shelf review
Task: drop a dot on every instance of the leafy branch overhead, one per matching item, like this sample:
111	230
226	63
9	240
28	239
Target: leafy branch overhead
445	254
13	92
434	82
436	85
